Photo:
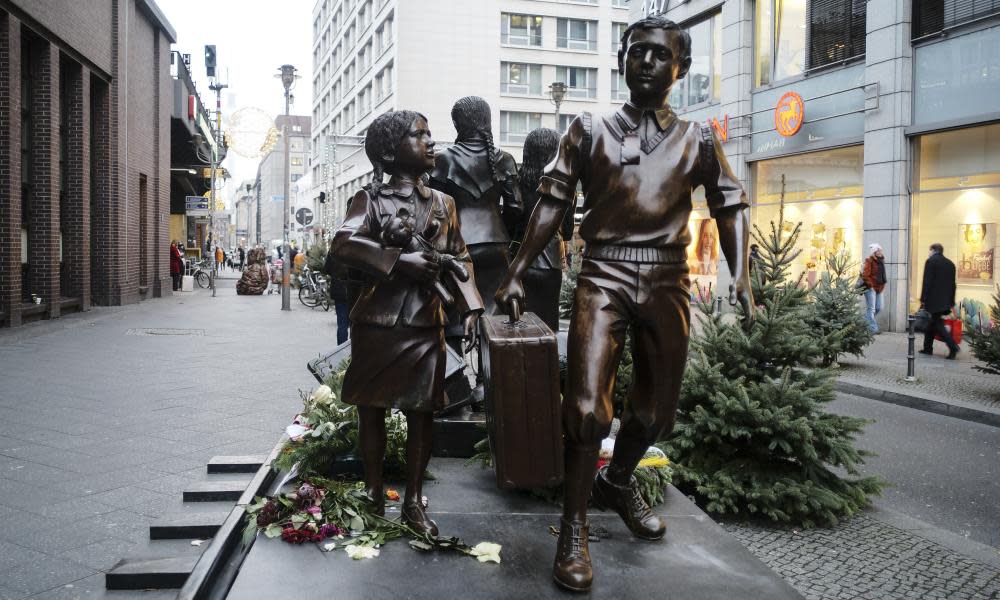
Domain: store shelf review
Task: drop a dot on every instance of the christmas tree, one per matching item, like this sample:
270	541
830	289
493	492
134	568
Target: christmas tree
835	314
985	339
752	438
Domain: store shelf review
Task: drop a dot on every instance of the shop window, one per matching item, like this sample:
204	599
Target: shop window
521	79
793	37
576	34
822	190
617	30
704	80
521	30
515	126
580	82
957	205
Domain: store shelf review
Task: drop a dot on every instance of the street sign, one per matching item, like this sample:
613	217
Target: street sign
241	232
195	203
197	212
304	216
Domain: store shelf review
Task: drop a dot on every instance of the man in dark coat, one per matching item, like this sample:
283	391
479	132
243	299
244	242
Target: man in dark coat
938	298
338	293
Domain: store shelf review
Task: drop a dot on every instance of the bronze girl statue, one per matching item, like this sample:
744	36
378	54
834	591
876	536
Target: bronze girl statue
483	181
398	352
544	276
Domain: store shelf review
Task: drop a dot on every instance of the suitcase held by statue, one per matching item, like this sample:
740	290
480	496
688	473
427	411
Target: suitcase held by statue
523	418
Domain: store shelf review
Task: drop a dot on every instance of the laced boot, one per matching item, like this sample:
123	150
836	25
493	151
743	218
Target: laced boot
572	569
415	517
630	506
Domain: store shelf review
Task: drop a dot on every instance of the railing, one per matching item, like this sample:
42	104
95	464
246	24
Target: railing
515	39
575	44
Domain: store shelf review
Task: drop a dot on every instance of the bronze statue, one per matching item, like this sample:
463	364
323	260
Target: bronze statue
254	280
638	166
483	182
398	353
544	276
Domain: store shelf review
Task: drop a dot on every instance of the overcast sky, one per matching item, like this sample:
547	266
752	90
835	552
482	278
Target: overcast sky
252	38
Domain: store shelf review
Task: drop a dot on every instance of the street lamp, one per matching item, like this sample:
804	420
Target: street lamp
288	77
557	93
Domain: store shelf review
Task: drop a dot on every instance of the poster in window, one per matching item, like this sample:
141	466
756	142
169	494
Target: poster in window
976	253
703	255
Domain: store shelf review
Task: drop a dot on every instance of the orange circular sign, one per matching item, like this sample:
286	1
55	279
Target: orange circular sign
789	114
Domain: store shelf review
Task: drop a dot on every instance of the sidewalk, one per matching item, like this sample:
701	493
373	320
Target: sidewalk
950	387
106	416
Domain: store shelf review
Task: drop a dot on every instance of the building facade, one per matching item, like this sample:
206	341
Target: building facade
370	56
85	99
270	190
868	122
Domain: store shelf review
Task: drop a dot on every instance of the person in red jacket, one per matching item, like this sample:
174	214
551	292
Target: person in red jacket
875	279
176	265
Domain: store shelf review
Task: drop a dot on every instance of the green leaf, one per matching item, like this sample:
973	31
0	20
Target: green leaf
273	530
422	546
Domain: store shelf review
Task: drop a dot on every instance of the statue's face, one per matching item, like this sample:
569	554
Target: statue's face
653	62
415	152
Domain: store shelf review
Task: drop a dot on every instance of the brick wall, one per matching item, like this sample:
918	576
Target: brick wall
115	105
10	169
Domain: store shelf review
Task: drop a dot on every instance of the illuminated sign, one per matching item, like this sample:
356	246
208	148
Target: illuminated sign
789	114
721	129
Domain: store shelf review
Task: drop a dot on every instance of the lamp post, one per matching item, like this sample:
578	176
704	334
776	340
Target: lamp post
557	93
288	77
246	205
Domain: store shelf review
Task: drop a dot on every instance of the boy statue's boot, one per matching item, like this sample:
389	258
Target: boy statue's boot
572	569
615	486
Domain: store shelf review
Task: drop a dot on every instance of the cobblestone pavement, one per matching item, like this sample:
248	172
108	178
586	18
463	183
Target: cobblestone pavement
884	364
105	417
865	558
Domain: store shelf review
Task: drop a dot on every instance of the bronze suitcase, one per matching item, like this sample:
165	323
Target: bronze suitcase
521	377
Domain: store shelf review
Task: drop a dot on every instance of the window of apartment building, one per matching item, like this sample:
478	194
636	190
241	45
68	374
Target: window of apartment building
564	121
365	58
365	16
335	24
793	37
520	78
703	82
619	89
576	34
520	30
933	16
580	81
383	36
617	29
365	101
620	3
296	161
515	126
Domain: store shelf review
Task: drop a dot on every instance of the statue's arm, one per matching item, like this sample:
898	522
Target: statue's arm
356	242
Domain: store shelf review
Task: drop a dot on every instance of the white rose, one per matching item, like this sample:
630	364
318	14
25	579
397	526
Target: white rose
486	551
361	552
322	395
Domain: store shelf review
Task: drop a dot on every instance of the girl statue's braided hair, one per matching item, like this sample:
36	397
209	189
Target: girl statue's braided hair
472	119
539	149
384	135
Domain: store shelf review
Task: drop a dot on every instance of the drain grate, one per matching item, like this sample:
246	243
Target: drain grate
164	331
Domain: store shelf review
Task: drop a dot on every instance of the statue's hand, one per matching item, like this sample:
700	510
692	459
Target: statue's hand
740	293
510	295
419	266
470	326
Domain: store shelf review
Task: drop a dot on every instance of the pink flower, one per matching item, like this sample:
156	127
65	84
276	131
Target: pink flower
315	511
330	530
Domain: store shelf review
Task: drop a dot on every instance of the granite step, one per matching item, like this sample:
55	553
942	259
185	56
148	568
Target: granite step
150	573
216	491
187	525
236	464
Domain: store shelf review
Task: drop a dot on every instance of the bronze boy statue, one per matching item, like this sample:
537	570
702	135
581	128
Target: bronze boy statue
398	352
638	166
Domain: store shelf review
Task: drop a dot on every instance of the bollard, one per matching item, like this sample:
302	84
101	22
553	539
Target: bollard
718	305
911	357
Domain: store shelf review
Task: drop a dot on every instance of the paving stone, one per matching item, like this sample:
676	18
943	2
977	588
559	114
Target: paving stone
44	574
894	564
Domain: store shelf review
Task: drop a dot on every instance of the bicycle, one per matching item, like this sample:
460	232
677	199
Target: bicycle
313	290
199	270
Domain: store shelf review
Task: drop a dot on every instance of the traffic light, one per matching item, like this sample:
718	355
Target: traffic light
210	60
322	197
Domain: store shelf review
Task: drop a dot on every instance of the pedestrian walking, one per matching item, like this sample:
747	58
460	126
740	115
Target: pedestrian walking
937	298
753	257
875	279
176	265
219	257
338	294
242	254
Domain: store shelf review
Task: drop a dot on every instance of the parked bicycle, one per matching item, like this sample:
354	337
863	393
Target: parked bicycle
199	270
313	289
